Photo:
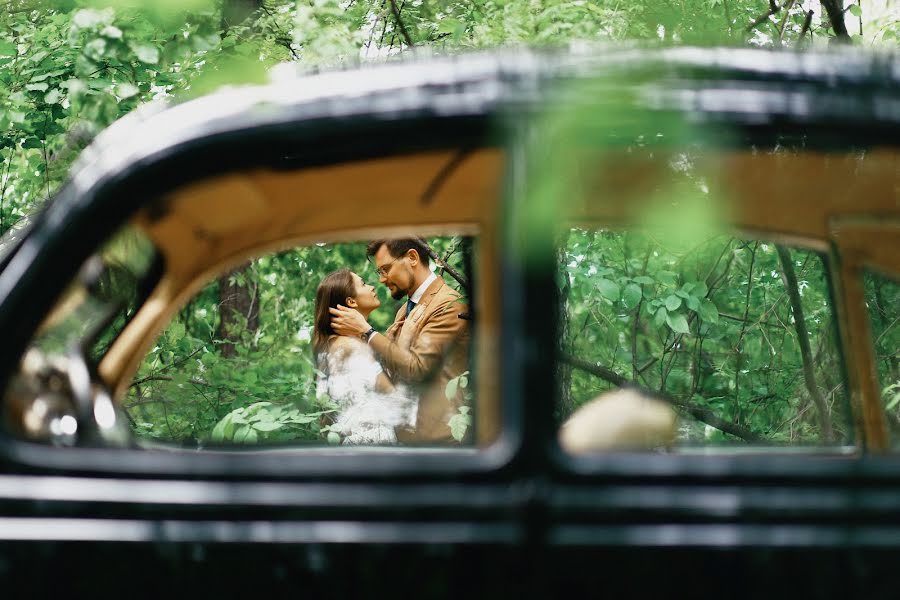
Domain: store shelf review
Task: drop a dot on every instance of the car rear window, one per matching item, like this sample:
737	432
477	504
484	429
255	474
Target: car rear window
735	335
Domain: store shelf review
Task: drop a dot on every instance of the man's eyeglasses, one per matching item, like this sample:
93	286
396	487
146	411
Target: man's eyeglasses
385	269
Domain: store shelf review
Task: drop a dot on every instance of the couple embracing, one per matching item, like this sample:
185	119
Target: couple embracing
390	386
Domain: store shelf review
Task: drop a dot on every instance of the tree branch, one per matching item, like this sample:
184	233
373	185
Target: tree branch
835	12
790	283
807	22
396	12
703	415
773	9
192	380
784	20
442	264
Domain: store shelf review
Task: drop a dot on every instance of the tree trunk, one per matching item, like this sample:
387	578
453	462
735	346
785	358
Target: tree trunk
835	11
881	309
564	371
790	283
238	308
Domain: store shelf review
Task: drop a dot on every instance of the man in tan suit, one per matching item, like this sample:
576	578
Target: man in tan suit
427	345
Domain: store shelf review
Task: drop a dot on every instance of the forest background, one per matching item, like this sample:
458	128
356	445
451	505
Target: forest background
69	68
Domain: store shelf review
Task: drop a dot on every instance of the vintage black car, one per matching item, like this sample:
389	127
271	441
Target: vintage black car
517	162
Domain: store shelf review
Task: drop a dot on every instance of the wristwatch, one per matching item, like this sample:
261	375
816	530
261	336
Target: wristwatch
368	334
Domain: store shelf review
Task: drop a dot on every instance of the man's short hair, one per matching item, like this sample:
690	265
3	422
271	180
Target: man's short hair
397	247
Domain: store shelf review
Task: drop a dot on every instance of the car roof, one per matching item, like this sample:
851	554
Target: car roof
754	88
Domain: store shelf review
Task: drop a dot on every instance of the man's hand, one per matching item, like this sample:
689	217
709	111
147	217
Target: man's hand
347	321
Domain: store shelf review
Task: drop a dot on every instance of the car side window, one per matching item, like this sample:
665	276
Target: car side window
882	301
734	336
111	286
252	358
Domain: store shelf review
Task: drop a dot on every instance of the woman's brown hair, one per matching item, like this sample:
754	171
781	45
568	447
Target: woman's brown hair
333	290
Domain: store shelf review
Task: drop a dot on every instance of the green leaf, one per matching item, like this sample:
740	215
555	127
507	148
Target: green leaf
667	277
693	303
448	26
37	87
608	289
175	332
699	289
895	390
146	53
708	311
451	389
267	426
39	56
459	424
7	48
218	432
660	317
303	419
98	84
632	295
672	303
644	280
678	323
334	438
855	10
240	433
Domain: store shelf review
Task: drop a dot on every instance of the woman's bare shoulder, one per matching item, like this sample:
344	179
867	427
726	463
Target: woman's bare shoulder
342	344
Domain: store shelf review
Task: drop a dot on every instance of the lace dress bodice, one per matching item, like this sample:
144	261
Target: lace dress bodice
348	372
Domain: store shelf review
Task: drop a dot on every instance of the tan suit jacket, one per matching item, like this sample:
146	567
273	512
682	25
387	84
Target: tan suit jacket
425	350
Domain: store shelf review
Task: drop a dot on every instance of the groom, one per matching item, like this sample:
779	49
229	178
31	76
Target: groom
427	345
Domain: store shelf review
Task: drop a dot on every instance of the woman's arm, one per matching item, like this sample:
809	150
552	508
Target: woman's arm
383	384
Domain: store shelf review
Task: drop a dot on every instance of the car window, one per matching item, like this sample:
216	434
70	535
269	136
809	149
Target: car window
111	285
12	236
249	361
882	301
95	308
732	339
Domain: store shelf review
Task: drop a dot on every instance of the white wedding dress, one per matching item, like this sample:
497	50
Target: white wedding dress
347	373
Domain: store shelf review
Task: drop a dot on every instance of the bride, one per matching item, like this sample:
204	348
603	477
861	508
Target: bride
369	406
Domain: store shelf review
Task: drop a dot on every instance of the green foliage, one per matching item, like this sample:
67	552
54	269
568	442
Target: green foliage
462	420
711	328
263	421
883	300
68	69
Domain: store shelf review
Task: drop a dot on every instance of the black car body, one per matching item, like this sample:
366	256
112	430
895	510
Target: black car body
514	514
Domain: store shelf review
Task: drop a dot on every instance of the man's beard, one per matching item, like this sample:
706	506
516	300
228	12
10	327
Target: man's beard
398	294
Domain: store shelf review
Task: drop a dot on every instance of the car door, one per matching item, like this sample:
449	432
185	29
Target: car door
114	280
703	264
